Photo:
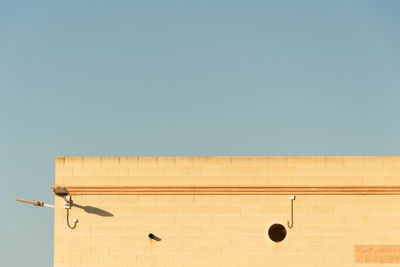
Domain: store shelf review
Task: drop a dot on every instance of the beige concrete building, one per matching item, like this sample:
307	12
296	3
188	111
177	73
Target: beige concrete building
226	211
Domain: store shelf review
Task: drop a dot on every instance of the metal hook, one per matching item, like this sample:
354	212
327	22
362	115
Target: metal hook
75	221
290	224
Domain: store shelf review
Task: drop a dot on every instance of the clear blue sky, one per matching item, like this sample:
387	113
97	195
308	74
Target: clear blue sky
185	78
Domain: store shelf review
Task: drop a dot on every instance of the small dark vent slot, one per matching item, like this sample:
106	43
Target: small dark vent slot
152	236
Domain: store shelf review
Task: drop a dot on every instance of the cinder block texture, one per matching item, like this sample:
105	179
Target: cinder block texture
227	230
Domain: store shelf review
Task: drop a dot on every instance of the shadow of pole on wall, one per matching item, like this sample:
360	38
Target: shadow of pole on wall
94	210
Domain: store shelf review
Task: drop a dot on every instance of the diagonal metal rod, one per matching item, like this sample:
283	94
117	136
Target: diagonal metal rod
34	202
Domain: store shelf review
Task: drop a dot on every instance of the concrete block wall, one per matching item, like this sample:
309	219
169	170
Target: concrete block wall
228	230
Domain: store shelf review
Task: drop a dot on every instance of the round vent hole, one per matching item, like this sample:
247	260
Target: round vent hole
277	232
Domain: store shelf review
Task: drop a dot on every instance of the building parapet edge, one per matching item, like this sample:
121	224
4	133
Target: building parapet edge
231	190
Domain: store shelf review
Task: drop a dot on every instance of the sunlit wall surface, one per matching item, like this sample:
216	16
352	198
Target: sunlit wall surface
215	229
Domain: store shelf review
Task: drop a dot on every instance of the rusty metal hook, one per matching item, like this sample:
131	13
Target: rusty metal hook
290	224
75	221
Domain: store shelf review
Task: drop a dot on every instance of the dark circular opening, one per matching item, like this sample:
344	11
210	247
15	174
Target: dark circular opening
277	232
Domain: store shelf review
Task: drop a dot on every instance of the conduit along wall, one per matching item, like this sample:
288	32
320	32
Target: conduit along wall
243	211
